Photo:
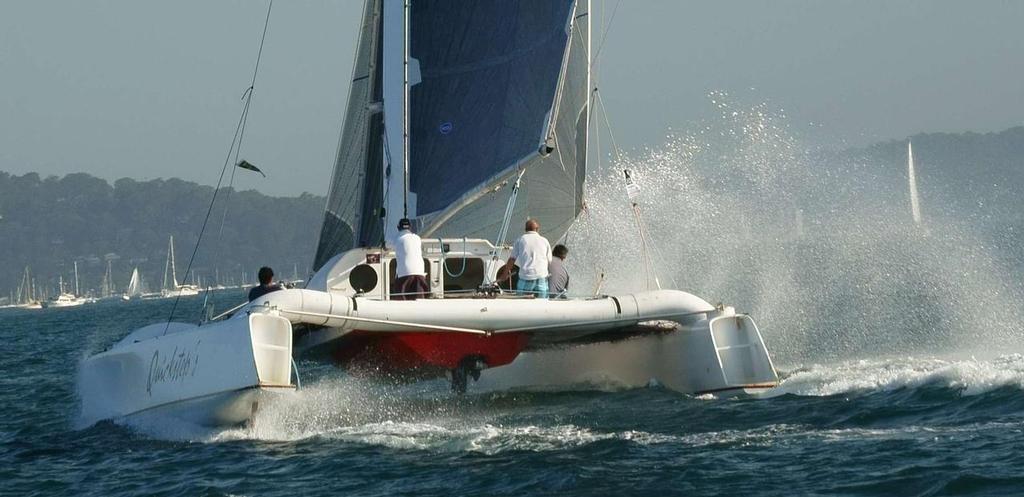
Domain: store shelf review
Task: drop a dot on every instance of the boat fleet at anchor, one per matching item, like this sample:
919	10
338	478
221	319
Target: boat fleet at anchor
28	295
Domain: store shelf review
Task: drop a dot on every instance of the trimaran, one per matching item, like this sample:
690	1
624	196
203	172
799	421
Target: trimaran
467	120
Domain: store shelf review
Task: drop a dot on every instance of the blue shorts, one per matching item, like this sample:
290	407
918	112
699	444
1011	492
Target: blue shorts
538	287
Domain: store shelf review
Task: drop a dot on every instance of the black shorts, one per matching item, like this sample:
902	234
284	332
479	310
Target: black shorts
410	287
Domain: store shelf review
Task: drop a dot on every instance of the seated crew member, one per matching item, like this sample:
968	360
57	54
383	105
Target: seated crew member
532	253
266	276
410	277
558	276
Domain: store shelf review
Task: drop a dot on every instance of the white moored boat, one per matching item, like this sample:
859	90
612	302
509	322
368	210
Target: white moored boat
171	288
66	299
485	126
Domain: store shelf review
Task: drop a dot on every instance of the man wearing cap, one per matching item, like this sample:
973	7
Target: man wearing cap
410	277
532	253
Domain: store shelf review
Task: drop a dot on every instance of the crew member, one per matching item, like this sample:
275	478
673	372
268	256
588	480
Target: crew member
532	253
266	276
410	277
558	276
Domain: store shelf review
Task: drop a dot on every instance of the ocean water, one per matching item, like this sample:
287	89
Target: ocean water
901	348
899	425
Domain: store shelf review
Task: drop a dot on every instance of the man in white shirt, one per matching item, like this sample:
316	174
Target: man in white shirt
532	253
410	277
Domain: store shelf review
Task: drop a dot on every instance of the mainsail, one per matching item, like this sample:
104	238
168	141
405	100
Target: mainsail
500	86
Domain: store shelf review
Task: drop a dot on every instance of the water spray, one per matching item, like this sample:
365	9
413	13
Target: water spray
632	192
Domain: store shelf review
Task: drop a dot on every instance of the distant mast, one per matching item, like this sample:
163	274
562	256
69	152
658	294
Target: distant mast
915	205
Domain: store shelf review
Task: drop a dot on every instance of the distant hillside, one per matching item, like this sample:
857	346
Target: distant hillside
972	174
48	223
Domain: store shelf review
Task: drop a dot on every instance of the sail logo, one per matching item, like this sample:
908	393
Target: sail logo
445	128
179	365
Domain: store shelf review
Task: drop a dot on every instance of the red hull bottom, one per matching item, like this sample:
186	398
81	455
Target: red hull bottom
425	354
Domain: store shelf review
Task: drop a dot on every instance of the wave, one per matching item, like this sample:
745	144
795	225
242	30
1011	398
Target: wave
966	376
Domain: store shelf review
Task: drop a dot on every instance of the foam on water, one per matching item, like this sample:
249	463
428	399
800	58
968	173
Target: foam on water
968	376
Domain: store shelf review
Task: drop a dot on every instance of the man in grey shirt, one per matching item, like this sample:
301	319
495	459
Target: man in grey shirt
558	277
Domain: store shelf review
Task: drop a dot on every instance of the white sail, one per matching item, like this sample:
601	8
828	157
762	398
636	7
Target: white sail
915	202
135	288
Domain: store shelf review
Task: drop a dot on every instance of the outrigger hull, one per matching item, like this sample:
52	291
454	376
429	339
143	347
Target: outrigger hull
212	374
725	357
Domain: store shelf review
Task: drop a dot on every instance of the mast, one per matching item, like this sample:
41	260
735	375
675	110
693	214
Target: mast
405	110
396	75
174	273
77	292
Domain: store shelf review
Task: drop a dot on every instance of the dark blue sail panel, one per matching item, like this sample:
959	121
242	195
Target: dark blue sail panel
489	71
351	216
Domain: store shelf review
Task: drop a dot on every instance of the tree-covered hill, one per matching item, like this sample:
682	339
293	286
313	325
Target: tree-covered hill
49	223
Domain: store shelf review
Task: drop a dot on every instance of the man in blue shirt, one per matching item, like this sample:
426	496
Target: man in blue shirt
266	276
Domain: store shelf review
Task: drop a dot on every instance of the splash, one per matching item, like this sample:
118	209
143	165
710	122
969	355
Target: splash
968	377
814	244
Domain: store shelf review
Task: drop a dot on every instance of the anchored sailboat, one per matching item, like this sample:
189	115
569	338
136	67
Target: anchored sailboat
26	297
463	120
66	299
136	288
171	288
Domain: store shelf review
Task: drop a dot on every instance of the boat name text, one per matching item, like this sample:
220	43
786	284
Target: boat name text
179	365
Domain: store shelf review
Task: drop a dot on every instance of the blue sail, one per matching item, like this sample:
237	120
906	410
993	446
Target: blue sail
489	73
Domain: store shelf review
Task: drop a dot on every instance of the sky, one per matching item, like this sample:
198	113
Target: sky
148	89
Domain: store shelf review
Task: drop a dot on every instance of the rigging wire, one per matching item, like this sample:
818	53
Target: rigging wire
236	144
607	27
240	131
646	244
505	223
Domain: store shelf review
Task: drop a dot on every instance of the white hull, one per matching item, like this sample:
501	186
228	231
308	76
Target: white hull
64	302
683	360
207	374
181	292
